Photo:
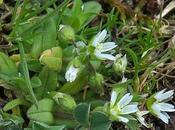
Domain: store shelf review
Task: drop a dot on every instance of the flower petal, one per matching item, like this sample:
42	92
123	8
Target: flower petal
123	119
158	95
108	46
129	109
163	117
166	115
99	37
166	107
125	100
113	98
104	56
166	95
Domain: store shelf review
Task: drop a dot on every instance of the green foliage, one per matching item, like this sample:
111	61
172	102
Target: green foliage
99	121
42	126
80	14
10	122
14	103
94	121
65	60
81	114
49	82
42	112
7	66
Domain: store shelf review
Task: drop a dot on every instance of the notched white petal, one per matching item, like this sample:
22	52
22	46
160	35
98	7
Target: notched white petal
166	107
158	95
166	95
125	100
107	46
129	109
99	37
113	98
123	119
163	117
104	56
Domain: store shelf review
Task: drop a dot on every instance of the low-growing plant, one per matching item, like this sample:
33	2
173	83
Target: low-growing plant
71	65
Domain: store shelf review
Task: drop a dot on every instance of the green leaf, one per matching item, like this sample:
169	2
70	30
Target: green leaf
44	38
49	82
42	113
81	114
92	7
7	66
36	82
43	126
25	72
132	125
16	102
90	10
81	14
76	7
34	65
99	121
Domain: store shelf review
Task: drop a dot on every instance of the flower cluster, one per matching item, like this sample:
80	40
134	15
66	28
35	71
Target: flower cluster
123	109
100	49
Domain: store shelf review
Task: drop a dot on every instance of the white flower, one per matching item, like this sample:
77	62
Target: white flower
140	117
160	107
123	107
71	74
120	63
101	47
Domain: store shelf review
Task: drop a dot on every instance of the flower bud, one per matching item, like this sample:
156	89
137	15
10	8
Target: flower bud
66	34
64	101
120	63
96	82
52	58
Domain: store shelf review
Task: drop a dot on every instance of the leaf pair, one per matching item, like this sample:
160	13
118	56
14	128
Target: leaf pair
93	121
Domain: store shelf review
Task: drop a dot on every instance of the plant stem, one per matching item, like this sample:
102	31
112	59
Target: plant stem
26	72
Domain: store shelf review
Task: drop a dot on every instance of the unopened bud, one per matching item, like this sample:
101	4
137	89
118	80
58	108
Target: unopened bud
65	101
52	58
120	63
66	34
96	82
